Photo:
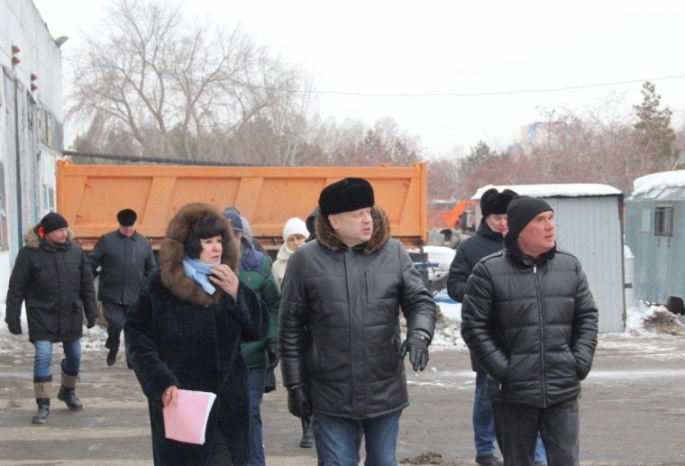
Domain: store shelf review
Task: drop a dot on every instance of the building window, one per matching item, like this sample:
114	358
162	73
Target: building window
645	220
663	221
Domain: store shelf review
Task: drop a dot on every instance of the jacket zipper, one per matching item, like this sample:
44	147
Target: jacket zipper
542	339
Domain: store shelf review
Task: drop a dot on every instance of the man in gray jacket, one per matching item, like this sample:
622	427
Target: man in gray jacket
123	259
530	319
339	329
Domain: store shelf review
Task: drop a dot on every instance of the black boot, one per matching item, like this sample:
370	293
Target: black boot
42	388
67	392
307	435
43	412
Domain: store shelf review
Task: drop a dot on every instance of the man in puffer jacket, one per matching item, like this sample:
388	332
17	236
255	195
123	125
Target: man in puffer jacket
339	328
530	319
52	277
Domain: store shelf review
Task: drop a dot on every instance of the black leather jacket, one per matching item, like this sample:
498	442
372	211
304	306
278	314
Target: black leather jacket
339	327
532	325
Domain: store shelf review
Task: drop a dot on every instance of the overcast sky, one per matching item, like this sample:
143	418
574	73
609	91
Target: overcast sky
397	55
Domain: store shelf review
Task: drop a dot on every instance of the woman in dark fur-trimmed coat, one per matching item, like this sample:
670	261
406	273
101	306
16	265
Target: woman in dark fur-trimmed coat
185	333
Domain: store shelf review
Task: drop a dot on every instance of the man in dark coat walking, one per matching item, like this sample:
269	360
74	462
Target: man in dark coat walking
530	319
489	238
339	328
51	275
123	259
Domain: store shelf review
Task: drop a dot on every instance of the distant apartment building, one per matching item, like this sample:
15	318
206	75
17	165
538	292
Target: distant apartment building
542	134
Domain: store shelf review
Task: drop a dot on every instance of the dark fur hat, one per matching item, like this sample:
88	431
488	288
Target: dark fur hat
346	195
127	217
494	202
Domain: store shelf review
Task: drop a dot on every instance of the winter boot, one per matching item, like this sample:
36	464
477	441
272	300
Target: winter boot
67	391
307	435
42	387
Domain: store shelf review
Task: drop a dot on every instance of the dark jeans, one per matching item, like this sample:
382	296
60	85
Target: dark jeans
517	427
483	425
257	378
220	456
114	313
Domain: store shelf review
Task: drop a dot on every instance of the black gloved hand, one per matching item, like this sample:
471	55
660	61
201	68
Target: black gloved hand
15	329
272	354
417	346
92	320
298	402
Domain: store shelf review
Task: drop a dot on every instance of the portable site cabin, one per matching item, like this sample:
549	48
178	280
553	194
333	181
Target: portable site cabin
588	219
655	234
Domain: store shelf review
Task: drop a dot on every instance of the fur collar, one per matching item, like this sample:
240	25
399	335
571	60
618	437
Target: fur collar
33	241
381	232
172	252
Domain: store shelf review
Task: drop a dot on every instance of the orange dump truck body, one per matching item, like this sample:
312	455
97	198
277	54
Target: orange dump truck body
89	196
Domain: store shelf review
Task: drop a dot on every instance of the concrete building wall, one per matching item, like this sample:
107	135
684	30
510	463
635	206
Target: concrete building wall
31	129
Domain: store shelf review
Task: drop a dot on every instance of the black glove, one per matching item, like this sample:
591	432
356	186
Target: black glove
92	320
298	402
15	329
417	346
272	354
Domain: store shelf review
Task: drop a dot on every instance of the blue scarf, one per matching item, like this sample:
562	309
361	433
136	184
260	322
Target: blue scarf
199	271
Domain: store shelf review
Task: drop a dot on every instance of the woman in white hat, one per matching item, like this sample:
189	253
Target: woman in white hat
294	236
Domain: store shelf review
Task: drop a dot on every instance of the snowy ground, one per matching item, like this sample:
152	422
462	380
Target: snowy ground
447	334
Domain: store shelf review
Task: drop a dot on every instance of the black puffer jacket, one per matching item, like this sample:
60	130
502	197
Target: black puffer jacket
125	263
470	251
339	328
532	326
57	285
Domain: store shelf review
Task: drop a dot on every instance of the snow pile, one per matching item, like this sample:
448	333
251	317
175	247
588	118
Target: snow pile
647	320
554	190
644	184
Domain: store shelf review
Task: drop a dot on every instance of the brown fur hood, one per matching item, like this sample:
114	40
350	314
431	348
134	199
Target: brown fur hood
33	241
381	232
172	252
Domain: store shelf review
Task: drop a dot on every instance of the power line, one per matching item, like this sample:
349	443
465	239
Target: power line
432	94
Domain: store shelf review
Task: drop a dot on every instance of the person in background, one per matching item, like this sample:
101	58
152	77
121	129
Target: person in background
184	330
529	317
261	355
339	330
247	232
489	238
52	277
295	234
123	259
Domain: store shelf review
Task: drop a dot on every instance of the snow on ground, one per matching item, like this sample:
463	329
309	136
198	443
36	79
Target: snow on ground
447	334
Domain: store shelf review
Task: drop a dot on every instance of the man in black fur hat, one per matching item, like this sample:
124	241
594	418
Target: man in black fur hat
339	329
123	259
529	318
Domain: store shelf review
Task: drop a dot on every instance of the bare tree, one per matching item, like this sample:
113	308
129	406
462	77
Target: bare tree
177	88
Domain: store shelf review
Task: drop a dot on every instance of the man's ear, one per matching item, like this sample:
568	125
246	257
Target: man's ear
334	221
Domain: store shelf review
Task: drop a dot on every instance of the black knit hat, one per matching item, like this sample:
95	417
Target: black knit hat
493	202
53	221
127	217
521	210
346	195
